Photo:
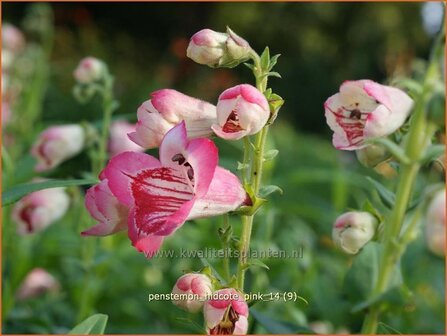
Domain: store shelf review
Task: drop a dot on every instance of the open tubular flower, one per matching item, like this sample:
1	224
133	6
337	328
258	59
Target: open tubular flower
161	195
242	110
57	144
218	49
196	285
166	109
435	224
353	230
38	210
226	313
364	110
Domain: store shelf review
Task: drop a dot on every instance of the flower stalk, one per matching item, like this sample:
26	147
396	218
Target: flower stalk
394	242
256	152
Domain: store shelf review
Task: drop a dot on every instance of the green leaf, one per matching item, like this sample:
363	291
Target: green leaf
215	273
393	148
274	326
250	66
17	192
395	296
265	58
273	61
368	207
94	325
270	154
274	74
361	276
255	262
387	197
269	189
433	152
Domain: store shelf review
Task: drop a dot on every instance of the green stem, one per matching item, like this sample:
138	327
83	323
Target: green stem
225	245
254	179
108	108
417	141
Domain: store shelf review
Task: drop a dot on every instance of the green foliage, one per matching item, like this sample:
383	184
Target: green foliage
94	325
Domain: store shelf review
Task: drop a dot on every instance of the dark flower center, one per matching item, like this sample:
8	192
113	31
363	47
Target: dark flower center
232	125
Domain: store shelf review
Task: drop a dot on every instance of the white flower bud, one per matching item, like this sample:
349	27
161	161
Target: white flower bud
352	230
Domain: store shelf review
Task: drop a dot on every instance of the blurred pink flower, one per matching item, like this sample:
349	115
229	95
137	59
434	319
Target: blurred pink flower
435	224
242	110
89	70
37	210
57	144
363	110
167	108
37	282
193	284
226	313
6	113
119	141
12	38
161	195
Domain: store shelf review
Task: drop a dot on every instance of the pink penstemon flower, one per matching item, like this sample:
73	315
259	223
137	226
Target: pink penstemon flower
364	110
226	313
57	144
39	209
166	109
242	110
161	195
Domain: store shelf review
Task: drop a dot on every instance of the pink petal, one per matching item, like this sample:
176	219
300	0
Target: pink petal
248	93
163	198
201	154
120	172
147	244
174	142
105	208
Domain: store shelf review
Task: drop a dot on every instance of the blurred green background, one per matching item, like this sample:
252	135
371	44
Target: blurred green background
144	45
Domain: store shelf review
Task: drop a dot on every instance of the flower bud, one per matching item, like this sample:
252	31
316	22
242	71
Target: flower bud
218	49
89	70
166	109
36	283
352	230
226	313
435	224
365	110
37	210
119	141
195	285
57	144
241	110
13	39
370	156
